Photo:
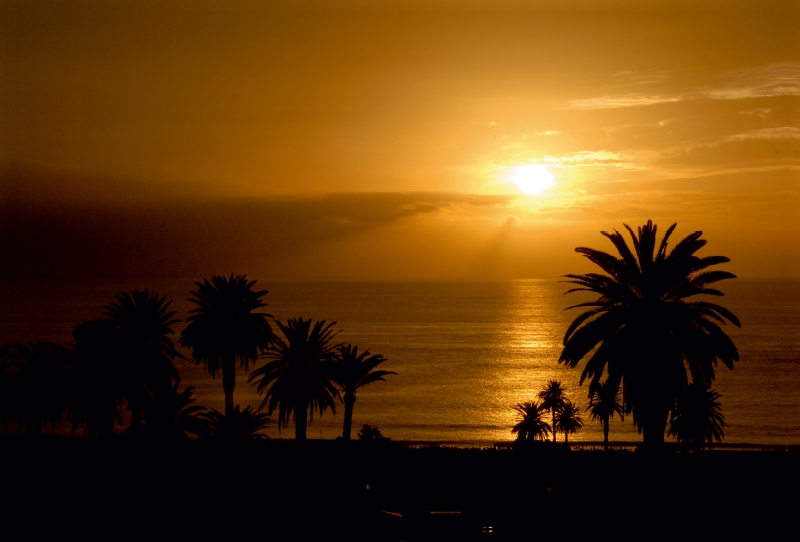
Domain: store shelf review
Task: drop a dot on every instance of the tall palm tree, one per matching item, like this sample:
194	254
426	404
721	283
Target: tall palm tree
144	323
296	380
224	328
604	403
351	371
42	385
568	420
643	330
697	418
531	426
553	398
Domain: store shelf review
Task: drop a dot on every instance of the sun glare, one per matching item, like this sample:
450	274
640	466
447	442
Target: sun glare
532	179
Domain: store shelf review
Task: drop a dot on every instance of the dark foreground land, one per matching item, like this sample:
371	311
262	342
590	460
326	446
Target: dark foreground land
379	491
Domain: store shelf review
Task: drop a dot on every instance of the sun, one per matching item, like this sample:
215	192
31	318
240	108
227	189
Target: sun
532	179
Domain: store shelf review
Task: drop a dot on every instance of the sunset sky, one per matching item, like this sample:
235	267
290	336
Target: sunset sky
298	140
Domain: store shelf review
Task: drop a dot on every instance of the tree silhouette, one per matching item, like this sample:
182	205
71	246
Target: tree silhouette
553	399
42	385
144	321
370	432
697	418
296	380
531	425
7	403
351	371
224	328
238	425
97	378
172	416
604	403
642	331
568	420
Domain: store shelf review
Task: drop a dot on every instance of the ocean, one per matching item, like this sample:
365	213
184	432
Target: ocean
465	352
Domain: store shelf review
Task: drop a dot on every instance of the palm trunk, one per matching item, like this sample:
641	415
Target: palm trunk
555	433
605	435
228	382
349	401
653	431
300	423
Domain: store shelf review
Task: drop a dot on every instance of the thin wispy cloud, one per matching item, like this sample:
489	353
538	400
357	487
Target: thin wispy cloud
766	81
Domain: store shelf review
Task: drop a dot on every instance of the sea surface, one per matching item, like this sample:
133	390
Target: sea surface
465	352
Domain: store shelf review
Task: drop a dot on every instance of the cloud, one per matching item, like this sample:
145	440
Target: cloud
767	81
511	222
132	231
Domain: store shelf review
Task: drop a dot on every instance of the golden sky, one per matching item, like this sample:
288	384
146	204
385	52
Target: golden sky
339	140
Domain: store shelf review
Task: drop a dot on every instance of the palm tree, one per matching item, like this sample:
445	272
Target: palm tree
643	330
237	425
568	420
97	378
7	403
171	416
553	398
41	385
697	418
224	328
604	403
144	321
351	371
531	425
296	381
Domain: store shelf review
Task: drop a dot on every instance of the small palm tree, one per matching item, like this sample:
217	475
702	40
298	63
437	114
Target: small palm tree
531	425
697	418
351	371
97	378
171	416
7	403
296	379
224	328
144	323
604	403
568	420
553	398
238	425
41	385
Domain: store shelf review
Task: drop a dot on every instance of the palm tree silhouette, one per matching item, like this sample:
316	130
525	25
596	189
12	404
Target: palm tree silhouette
642	331
172	416
144	321
568	420
238	425
296	380
7	403
697	418
224	327
531	425
604	403
97	378
351	371
42	384
553	398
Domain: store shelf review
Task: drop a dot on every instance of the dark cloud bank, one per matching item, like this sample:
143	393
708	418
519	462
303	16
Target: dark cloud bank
61	226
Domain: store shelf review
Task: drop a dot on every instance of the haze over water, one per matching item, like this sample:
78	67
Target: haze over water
465	352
